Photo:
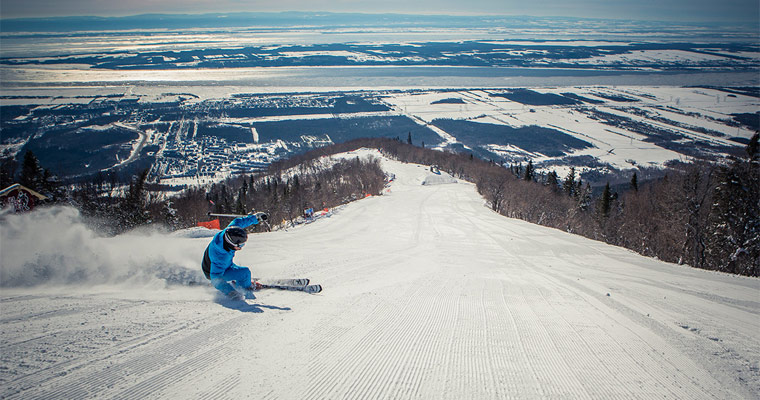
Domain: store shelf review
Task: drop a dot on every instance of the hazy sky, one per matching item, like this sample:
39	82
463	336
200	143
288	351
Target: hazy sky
676	10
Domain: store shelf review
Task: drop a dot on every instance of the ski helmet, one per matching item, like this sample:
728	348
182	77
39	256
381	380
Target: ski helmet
235	236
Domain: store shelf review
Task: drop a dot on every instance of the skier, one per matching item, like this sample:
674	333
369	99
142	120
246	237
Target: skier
217	260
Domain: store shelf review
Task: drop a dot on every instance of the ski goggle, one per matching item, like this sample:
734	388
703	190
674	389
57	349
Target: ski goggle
231	243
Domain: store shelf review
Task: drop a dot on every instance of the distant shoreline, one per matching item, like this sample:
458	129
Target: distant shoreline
331	79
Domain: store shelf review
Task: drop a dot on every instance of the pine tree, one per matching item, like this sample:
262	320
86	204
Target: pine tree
133	207
240	203
169	214
552	181
569	184
584	197
225	202
529	171
409	138
753	148
7	167
31	172
606	201
579	187
635	182
244	188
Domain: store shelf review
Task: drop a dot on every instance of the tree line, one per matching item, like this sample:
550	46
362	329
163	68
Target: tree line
704	214
284	191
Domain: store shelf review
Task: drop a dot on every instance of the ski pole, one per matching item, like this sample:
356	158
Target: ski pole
226	215
260	215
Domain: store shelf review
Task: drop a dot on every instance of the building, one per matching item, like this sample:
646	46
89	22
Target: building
20	198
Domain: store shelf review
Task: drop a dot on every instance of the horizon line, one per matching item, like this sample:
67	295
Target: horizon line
411	14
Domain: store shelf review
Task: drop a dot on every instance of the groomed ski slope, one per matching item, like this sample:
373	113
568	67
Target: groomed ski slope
428	295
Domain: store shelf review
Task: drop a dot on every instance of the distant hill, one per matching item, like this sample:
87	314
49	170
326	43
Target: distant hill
317	19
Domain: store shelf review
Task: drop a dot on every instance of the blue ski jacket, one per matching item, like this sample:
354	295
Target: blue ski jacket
218	257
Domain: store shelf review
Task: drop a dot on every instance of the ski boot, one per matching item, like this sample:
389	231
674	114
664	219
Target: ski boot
235	295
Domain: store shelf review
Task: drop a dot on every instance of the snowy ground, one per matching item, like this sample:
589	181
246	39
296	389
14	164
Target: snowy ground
688	112
428	294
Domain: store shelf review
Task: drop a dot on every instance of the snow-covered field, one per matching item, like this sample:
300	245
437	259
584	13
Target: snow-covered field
428	294
698	115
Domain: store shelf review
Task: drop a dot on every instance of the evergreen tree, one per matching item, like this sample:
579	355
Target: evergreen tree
169	214
552	181
31	172
584	197
569	184
579	187
753	148
7	167
409	138
133	207
225	202
606	201
136	192
529	171
244	188
240	203
635	182
734	221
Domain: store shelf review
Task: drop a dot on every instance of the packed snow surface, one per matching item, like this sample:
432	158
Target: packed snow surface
427	294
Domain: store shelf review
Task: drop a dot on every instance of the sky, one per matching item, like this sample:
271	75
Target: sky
668	10
675	10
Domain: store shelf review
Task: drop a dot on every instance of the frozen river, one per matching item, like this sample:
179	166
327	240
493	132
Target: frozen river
297	79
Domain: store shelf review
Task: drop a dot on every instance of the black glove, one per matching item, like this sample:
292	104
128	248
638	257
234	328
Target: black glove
262	216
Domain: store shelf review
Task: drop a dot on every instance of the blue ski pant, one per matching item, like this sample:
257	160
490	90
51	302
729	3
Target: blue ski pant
241	276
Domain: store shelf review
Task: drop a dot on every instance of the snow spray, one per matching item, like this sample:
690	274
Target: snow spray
52	246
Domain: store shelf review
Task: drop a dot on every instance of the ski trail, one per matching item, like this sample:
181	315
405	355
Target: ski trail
630	345
428	294
357	365
220	388
150	361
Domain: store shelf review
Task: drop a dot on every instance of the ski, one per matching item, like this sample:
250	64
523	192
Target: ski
288	282
284	282
306	289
